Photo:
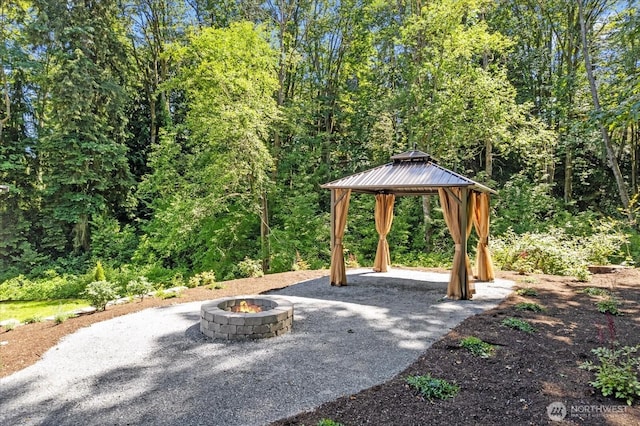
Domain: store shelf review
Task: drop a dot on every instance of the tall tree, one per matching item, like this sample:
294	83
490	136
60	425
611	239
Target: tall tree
82	149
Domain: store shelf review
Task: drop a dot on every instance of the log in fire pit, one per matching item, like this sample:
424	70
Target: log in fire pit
250	317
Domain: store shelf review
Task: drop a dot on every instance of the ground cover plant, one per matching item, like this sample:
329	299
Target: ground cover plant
478	347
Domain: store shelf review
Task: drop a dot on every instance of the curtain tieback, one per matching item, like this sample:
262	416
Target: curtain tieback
338	241
484	240
458	247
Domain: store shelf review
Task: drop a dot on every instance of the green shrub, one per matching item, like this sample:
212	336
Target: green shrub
206	278
617	374
478	347
582	274
527	292
595	291
167	294
98	272
609	305
528	306
50	286
99	293
518	324
556	252
432	388
139	287
250	268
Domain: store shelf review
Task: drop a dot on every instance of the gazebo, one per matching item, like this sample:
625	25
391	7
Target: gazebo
464	203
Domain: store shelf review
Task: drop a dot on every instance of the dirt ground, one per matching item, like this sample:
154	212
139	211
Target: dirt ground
515	386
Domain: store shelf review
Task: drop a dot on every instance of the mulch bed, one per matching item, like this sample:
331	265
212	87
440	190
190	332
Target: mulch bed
527	373
515	386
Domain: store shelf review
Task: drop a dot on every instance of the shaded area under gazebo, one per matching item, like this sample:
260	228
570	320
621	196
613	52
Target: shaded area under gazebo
464	202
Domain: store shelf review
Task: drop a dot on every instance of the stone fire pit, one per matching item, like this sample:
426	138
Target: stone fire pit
218	319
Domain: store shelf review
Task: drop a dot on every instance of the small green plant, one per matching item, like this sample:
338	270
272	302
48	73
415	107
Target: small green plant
250	268
216	286
594	291
167	294
478	347
582	274
609	305
518	324
61	317
139	287
205	278
33	319
528	291
617	373
329	422
432	388
98	272
10	325
529	306
99	293
528	280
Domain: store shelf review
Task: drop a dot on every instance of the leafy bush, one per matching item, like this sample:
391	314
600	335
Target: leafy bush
556	252
206	278
98	272
528	306
433	388
617	373
99	293
609	305
139	287
51	286
10	325
167	294
518	324
250	268
478	347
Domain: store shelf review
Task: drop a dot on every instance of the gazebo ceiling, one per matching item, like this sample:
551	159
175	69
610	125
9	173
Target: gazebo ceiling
410	173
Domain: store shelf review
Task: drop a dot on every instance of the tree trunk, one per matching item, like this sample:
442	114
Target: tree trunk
264	232
611	156
428	229
568	175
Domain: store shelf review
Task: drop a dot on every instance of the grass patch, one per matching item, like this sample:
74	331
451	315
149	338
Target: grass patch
31	310
518	324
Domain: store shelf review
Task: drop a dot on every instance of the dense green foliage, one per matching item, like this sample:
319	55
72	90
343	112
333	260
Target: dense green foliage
169	138
618	371
433	388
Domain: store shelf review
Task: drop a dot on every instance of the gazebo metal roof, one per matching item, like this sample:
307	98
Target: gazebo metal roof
410	173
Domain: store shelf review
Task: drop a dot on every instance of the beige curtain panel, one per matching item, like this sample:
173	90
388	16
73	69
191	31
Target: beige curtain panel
484	265
384	218
451	210
338	271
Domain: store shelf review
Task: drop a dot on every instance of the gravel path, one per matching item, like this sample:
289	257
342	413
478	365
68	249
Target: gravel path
154	367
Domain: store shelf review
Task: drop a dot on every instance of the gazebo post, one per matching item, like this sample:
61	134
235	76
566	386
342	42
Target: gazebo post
464	219
333	218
